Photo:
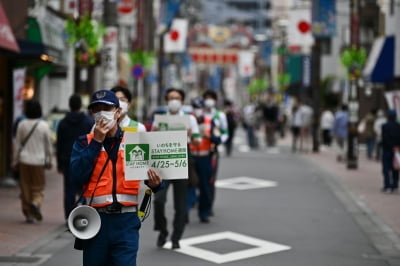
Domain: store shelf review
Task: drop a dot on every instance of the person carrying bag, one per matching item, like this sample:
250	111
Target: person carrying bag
34	153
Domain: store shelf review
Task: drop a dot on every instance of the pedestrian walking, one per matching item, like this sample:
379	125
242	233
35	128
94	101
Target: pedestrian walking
306	113
327	119
75	123
194	179
369	133
125	98
219	130
202	154
296	124
379	121
97	163
32	155
340	131
174	98
270	113
390	143
250	124
232	118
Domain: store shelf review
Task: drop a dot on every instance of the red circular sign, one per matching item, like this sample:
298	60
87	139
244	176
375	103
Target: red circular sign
174	35
126	6
303	26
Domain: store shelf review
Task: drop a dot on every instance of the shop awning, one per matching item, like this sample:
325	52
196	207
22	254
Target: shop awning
380	64
7	38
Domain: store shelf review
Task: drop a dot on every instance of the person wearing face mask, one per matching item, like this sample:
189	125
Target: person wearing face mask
219	134
98	165
125	98
202	157
174	98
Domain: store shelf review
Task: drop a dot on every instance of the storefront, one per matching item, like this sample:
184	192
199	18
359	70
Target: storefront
8	45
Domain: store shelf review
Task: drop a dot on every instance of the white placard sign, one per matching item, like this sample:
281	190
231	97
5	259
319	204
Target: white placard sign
171	122
164	151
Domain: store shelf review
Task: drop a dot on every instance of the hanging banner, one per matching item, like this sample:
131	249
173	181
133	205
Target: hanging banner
165	151
126	12
18	92
175	38
299	28
324	18
246	63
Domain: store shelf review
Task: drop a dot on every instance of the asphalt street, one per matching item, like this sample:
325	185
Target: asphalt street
272	208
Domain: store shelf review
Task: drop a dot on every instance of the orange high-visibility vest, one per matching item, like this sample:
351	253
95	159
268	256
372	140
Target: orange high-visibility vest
126	190
205	146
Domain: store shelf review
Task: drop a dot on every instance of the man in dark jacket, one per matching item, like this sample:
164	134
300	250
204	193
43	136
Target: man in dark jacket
390	140
73	125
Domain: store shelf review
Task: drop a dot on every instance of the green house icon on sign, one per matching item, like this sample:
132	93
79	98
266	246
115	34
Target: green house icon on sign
137	152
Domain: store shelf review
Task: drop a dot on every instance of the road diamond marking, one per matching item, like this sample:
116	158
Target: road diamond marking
257	247
244	183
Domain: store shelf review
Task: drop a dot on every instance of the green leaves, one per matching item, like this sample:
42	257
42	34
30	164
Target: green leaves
353	59
143	58
258	85
87	37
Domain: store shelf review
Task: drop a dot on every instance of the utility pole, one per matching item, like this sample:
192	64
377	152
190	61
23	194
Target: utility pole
316	95
352	142
160	68
109	60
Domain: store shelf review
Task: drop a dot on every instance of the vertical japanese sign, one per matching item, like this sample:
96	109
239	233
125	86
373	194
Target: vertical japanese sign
165	151
18	91
306	71
109	58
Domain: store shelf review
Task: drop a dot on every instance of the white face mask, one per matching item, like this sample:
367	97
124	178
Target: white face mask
174	105
124	107
107	115
198	112
210	103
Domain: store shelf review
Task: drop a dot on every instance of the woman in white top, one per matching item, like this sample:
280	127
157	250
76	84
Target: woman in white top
32	154
327	120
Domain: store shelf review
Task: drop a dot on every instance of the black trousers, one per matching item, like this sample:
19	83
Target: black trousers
180	187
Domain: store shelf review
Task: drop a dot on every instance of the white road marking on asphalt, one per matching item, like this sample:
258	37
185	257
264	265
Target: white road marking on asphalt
244	183
258	247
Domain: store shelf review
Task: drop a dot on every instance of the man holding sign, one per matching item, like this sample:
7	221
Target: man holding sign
98	164
175	119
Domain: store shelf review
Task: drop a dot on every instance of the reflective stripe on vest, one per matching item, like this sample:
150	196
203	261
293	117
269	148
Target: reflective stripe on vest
109	199
126	190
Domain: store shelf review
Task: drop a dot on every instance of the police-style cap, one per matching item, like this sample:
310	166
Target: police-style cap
104	96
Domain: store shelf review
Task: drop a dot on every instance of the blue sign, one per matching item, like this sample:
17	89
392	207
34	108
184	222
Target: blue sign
324	18
137	72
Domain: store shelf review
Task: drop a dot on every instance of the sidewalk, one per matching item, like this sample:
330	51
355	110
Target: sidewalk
377	213
19	238
365	184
